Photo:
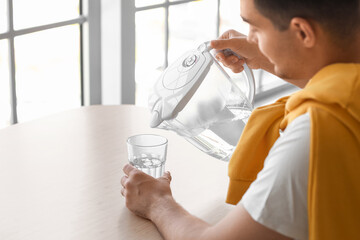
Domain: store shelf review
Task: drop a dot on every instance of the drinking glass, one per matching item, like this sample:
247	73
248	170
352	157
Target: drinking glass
147	152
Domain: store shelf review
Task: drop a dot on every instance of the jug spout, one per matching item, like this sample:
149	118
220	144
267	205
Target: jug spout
155	119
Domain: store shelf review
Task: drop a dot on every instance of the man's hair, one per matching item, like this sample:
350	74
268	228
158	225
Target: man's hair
340	18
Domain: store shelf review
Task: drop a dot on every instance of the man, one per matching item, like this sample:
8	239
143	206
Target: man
307	183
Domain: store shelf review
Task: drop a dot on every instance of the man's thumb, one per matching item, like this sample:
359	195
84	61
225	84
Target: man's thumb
167	176
220	44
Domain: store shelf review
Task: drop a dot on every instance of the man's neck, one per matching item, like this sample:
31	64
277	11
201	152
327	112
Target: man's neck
347	52
330	53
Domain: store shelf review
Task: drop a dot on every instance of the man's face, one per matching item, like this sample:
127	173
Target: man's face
278	46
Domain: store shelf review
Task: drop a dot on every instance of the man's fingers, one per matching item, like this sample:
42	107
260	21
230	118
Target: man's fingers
230	34
232	43
123	181
128	168
220	44
237	69
231	60
220	56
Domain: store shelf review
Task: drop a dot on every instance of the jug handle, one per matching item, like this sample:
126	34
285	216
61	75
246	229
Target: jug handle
248	72
251	77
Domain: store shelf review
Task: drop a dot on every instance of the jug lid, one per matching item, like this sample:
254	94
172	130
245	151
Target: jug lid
178	83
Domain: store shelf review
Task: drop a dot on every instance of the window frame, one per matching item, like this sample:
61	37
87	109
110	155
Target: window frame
90	47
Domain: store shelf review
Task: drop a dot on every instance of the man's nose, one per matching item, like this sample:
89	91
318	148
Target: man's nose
252	37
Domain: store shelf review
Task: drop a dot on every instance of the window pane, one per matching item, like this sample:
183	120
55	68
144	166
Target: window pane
3	16
5	107
142	3
47	72
190	25
38	12
150	51
230	17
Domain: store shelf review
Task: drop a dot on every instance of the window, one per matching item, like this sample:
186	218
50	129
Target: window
165	29
5	106
43	58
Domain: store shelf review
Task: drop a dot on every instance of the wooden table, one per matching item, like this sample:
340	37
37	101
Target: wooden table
60	176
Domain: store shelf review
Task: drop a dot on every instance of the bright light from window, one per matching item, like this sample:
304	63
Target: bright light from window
5	108
150	51
142	3
3	16
39	12
190	25
47	72
230	17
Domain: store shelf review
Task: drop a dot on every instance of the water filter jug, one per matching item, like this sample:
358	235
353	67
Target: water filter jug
196	98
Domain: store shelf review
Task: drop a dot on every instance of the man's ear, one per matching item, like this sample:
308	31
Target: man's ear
304	31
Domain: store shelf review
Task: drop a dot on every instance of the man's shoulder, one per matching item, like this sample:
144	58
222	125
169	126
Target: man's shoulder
299	127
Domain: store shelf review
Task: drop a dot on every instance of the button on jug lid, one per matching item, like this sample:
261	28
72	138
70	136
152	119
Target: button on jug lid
178	83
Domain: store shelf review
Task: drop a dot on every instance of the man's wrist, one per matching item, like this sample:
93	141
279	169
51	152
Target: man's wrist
161	207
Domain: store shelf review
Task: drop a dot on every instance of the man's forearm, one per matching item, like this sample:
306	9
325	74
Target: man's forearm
174	222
